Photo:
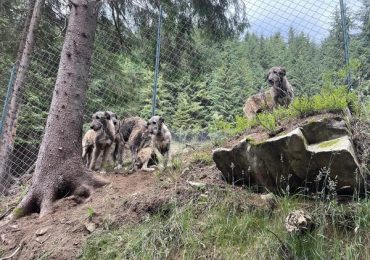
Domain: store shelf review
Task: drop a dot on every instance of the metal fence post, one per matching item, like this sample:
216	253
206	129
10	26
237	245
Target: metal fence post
157	55
7	98
345	43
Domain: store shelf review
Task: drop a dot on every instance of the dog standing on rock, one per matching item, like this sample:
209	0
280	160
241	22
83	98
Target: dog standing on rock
161	137
279	93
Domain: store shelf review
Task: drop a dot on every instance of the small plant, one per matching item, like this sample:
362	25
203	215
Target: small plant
90	213
267	121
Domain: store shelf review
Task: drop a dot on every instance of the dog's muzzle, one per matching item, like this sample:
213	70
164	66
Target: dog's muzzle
95	127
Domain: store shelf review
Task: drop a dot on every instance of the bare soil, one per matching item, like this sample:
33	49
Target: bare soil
129	198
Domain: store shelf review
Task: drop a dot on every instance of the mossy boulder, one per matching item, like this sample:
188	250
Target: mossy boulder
291	162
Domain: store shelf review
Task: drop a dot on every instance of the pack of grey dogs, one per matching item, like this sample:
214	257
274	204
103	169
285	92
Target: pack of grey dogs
149	139
146	140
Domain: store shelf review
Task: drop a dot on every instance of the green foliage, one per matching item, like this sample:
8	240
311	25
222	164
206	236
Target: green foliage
90	213
207	67
330	99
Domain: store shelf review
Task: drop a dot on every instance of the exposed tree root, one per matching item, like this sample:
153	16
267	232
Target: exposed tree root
41	199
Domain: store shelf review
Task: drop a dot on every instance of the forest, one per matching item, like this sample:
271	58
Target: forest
209	65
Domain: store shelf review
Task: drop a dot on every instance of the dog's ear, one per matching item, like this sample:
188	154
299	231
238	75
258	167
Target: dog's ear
267	74
107	115
147	124
282	71
161	120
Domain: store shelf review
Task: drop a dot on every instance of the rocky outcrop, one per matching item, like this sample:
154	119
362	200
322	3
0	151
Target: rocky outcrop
317	155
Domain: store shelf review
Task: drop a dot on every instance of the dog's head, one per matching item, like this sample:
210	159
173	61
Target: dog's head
99	120
114	119
275	76
155	124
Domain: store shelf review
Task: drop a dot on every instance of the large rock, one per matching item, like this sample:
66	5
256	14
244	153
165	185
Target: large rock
291	162
324	129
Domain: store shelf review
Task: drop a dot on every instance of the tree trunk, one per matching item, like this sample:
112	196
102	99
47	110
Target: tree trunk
59	168
22	64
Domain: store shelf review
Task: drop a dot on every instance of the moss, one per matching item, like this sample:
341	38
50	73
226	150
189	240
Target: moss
328	143
250	140
18	212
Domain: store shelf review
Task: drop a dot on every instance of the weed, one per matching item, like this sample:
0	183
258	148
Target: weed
90	213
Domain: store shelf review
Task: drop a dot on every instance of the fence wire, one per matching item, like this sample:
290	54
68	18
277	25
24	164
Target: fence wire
210	61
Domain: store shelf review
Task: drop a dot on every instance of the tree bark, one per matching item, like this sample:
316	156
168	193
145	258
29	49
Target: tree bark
22	64
59	168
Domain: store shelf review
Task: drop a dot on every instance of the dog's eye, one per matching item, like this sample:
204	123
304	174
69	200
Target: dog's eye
154	123
275	71
97	117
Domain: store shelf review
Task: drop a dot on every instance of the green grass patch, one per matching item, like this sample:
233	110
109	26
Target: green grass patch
226	225
329	100
202	158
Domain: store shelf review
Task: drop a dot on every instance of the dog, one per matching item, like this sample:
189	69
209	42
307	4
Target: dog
88	141
116	139
146	152
161	138
280	93
131	132
104	130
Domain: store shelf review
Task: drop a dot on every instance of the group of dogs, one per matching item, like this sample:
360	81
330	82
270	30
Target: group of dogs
147	141
152	139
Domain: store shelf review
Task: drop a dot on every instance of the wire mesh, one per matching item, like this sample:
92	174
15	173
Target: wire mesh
211	59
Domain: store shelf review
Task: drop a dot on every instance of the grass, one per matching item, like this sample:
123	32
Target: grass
201	157
232	225
329	100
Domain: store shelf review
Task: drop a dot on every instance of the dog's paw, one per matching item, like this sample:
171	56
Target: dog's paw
103	171
118	167
148	169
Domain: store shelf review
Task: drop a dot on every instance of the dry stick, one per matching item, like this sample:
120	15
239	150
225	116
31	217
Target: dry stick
6	213
14	253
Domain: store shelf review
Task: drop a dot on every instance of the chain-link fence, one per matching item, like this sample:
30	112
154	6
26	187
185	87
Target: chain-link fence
213	55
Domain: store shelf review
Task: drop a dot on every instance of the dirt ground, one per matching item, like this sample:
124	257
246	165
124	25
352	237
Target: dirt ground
128	198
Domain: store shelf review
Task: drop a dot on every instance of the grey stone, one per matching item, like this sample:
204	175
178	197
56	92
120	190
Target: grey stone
289	162
324	129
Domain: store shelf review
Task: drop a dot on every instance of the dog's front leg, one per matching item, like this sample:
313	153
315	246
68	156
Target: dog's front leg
95	155
117	155
134	152
104	159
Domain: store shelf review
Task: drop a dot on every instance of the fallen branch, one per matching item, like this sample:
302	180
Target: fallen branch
6	212
14	253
